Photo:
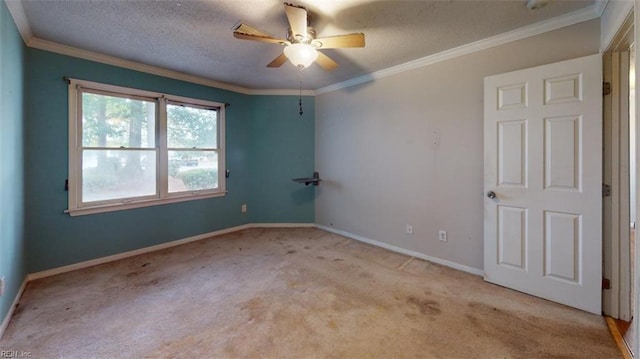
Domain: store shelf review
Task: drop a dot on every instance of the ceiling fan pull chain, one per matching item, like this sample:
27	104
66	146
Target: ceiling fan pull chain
300	97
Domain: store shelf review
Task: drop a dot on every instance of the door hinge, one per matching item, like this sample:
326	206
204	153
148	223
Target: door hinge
66	185
606	190
606	88
606	284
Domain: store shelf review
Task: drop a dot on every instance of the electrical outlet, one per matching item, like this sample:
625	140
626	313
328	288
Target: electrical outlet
1	286
243	208
409	229
442	235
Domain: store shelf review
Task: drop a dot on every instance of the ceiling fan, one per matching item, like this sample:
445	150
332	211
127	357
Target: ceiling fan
301	46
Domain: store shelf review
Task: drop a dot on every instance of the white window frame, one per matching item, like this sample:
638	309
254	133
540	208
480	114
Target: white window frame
162	196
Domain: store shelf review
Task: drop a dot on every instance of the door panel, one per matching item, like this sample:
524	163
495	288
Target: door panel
562	153
562	242
543	160
512	236
512	153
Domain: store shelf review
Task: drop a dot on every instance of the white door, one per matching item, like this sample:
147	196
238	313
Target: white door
543	163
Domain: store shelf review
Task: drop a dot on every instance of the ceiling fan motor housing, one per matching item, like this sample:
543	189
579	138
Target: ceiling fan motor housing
301	45
311	35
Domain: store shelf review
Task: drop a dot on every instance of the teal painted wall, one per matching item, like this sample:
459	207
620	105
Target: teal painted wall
12	239
264	135
282	148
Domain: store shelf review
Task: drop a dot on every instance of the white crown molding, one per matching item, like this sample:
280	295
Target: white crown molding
600	6
587	13
20	18
58	48
612	18
51	46
280	92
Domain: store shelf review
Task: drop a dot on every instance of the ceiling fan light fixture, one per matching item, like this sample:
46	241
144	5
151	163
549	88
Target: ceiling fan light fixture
537	4
301	55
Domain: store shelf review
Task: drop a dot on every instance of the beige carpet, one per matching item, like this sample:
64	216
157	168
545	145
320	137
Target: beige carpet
278	293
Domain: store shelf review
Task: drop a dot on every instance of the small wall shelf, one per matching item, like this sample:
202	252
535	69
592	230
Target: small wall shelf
315	180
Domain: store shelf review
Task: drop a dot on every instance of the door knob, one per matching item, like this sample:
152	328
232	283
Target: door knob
491	194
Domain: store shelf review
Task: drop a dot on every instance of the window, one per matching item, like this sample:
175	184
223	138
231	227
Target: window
130	148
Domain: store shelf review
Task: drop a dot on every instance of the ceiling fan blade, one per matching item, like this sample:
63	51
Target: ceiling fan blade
326	62
249	30
297	17
271	40
335	42
278	61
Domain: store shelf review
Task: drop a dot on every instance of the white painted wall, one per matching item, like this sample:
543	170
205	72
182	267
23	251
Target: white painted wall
379	165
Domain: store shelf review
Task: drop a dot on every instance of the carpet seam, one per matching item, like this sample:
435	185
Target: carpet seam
406	263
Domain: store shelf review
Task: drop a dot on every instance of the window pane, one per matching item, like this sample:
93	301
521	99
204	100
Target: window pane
191	127
109	121
192	170
114	174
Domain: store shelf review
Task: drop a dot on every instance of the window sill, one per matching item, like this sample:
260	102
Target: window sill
138	204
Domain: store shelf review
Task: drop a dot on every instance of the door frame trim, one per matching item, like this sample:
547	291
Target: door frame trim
617	262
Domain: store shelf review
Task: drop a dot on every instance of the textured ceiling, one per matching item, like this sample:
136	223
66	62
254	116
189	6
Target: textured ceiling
195	37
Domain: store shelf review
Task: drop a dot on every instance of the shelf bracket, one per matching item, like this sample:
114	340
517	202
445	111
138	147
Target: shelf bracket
315	180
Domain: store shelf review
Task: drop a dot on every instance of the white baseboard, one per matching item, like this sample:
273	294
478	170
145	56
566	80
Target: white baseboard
415	254
115	257
7	318
282	225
